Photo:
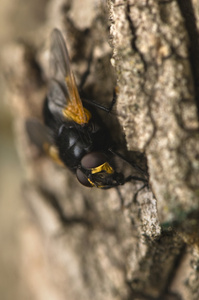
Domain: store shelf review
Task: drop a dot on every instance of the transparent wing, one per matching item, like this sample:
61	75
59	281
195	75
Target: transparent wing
56	98
38	133
41	136
63	95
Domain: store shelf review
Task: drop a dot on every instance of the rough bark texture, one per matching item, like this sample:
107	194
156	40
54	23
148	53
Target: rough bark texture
78	243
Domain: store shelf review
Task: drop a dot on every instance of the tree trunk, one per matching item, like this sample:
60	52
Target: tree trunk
77	242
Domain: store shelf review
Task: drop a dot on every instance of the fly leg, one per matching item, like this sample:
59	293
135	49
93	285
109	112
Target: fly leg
100	106
134	200
87	72
133	164
120	197
139	190
91	102
114	99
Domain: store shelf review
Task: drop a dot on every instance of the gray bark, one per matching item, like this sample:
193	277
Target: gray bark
79	243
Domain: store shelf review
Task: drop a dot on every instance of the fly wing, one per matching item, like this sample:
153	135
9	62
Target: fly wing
41	136
38	133
57	98
63	96
59	59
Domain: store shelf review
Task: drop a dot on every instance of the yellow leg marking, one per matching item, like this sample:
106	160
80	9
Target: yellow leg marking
52	152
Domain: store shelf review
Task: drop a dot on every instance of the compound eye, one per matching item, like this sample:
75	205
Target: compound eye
93	160
82	178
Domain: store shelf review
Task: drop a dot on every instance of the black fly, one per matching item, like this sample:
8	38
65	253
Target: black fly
78	137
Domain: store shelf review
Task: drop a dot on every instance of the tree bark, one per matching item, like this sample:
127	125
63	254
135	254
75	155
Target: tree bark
78	243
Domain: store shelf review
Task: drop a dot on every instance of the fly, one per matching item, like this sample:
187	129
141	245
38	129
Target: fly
73	133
